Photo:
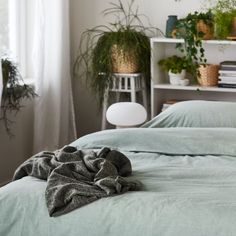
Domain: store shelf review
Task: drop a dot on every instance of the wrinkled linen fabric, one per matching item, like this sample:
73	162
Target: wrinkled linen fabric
76	177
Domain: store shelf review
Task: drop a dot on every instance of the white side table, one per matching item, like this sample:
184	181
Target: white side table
125	83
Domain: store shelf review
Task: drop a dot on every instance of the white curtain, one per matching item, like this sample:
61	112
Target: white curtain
54	124
1	82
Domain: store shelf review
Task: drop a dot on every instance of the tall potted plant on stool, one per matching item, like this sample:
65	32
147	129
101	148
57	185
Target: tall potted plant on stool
121	46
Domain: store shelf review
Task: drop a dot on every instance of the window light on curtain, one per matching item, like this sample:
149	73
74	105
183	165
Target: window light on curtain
39	37
4	35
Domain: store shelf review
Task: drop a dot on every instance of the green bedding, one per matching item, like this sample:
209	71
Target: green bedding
189	189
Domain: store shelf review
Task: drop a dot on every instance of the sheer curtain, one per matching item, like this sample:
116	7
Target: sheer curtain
54	124
1	83
3	37
41	38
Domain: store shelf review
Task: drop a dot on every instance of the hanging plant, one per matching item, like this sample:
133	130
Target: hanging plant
192	46
14	92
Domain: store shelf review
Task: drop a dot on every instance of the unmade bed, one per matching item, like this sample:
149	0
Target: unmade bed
188	177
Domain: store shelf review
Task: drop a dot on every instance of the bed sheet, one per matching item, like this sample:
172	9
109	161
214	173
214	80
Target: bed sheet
189	189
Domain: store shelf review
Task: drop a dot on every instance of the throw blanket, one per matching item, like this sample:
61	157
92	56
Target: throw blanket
76	177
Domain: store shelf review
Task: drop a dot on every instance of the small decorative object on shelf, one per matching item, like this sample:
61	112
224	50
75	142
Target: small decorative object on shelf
208	75
171	25
227	74
176	67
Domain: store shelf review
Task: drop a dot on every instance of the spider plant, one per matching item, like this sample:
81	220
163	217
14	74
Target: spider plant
128	34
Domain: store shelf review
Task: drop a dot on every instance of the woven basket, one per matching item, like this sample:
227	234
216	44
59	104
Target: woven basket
123	62
206	29
208	75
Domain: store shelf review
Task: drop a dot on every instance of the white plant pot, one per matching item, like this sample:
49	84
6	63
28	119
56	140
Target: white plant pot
175	79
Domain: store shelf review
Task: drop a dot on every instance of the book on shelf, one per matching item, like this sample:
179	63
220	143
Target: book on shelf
228	63
228	66
224	85
225	79
227	73
230	83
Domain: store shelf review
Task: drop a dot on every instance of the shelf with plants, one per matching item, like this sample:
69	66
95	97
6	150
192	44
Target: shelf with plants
215	51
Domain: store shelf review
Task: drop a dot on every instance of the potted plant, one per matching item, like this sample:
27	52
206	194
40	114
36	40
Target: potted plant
121	46
176	67
14	92
224	13
189	29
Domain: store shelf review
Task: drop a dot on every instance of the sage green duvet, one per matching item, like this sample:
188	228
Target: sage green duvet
189	189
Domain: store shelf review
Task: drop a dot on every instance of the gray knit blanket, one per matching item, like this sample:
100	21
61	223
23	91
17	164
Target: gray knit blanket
76	177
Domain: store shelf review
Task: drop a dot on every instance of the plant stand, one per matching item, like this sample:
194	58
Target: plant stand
124	83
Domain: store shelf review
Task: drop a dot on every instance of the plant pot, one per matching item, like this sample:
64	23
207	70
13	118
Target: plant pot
175	79
206	29
123	61
208	75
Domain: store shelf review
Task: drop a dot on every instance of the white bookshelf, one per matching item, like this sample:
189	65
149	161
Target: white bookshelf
215	50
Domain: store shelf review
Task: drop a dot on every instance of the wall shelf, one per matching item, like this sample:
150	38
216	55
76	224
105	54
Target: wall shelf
171	40
215	51
194	88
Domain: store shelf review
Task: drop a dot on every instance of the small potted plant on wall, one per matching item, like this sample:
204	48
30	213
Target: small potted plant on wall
176	67
120	47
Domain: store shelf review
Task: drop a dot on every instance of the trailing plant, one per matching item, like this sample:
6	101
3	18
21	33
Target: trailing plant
14	92
174	64
192	46
126	36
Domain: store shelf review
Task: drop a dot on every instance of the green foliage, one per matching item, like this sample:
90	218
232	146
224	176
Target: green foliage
174	64
192	47
225	5
224	12
14	92
94	60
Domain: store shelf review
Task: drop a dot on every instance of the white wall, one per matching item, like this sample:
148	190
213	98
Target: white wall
14	151
86	14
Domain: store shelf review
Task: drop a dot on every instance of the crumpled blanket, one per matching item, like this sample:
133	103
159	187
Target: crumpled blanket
76	177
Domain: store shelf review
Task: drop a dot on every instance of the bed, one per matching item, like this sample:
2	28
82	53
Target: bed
188	177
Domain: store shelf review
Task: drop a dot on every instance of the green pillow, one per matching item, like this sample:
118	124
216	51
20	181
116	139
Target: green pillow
196	114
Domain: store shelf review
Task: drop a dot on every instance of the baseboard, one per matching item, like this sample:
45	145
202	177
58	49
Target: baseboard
4	183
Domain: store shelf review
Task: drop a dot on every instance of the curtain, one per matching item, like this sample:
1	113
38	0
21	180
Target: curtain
1	83
3	37
54	123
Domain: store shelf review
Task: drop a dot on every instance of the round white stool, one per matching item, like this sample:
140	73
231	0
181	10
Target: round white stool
126	114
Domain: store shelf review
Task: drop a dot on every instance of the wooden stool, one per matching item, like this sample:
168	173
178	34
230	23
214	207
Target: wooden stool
125	83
